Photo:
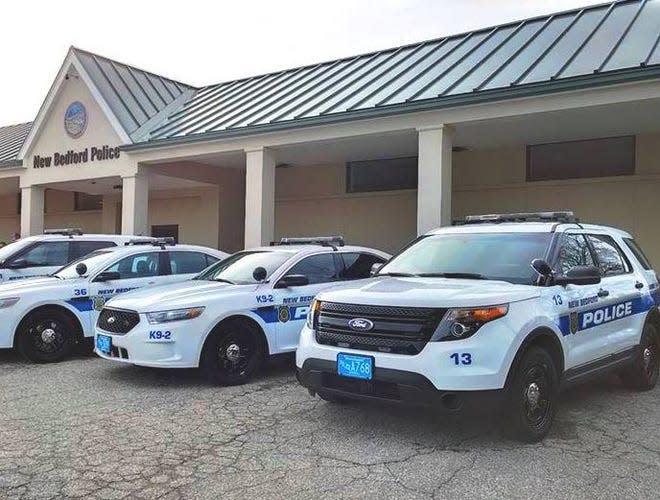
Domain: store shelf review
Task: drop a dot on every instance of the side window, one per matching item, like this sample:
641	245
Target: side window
357	266
572	251
318	268
187	262
82	248
49	253
210	260
141	265
610	260
638	253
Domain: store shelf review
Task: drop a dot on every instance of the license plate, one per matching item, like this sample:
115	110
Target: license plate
104	343
355	366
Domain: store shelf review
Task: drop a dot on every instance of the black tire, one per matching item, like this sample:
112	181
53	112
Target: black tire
233	353
642	375
532	396
46	336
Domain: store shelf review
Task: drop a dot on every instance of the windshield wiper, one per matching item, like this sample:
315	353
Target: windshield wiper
222	280
467	276
398	275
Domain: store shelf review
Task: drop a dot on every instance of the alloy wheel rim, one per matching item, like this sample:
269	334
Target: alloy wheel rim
48	336
235	353
536	395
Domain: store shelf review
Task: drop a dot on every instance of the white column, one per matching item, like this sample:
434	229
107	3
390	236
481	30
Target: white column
135	205
434	178
32	210
259	197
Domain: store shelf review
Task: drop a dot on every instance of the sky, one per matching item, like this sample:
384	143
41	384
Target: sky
204	42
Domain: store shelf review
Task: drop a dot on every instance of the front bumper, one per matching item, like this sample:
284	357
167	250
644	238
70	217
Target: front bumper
393	386
173	345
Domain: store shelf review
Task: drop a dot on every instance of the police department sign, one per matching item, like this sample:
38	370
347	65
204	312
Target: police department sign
75	119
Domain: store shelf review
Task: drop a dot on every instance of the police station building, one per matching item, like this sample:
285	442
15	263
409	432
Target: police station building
554	112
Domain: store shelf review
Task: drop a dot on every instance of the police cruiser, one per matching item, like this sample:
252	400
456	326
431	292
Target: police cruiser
44	254
503	308
233	315
44	318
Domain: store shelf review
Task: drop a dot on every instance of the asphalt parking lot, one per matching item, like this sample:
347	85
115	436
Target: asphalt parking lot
93	429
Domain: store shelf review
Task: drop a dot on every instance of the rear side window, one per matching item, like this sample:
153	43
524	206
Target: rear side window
318	268
357	266
610	260
82	248
638	253
188	262
45	254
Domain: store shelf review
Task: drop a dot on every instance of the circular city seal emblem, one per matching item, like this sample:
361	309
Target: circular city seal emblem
283	314
75	119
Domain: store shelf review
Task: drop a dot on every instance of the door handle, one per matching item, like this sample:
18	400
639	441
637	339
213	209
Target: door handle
603	293
639	285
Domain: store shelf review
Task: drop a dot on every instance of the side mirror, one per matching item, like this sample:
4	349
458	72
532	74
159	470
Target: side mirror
259	274
107	276
580	275
16	264
292	280
81	269
541	267
375	268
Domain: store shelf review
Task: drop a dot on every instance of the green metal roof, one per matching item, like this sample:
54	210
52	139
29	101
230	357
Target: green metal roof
11	140
596	45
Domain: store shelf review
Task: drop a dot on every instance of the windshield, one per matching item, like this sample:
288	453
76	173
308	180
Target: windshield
12	248
239	268
92	261
493	256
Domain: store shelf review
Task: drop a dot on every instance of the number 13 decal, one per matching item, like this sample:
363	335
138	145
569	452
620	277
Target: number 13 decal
461	358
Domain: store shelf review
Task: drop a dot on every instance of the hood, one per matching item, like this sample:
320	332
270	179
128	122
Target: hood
179	295
10	288
429	292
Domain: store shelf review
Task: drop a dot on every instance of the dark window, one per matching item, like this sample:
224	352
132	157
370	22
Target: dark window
83	202
82	248
610	260
141	265
318	268
166	231
581	159
50	253
188	262
381	175
357	266
572	251
638	253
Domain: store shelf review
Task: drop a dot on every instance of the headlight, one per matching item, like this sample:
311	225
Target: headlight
313	315
176	315
463	323
8	302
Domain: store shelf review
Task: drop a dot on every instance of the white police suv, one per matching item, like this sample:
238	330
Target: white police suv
44	254
234	314
508	308
44	318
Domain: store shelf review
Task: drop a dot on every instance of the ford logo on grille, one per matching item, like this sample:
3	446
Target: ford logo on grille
361	324
111	320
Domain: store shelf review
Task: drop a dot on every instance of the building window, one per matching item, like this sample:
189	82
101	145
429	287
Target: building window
83	202
166	231
581	159
381	175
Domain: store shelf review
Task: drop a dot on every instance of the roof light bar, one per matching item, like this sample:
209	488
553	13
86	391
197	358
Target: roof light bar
326	241
69	231
565	216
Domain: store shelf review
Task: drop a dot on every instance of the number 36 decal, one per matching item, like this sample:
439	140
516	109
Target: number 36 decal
461	358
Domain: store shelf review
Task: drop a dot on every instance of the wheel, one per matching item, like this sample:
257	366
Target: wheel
46	336
642	375
232	354
331	398
533	394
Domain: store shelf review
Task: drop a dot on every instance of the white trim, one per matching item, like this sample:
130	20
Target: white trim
55	89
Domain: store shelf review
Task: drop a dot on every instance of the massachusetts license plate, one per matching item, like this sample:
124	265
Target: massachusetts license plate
104	343
355	366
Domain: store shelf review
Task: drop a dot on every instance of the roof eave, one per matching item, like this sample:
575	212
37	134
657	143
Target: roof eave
530	90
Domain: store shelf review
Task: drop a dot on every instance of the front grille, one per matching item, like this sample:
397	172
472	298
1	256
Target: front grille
118	321
376	388
399	330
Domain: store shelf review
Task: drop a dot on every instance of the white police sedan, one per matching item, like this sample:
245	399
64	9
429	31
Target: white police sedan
44	318
233	315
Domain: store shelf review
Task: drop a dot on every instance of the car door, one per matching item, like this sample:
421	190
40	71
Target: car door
621	304
39	259
572	305
292	303
133	271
